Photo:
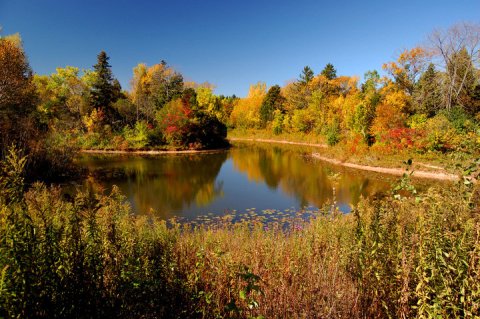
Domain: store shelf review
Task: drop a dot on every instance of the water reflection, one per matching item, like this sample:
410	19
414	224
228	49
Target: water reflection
248	176
164	184
298	175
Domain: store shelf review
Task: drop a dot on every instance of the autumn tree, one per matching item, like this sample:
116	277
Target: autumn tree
140	94
246	112
165	84
153	87
407	69
209	102
16	89
366	110
17	94
64	97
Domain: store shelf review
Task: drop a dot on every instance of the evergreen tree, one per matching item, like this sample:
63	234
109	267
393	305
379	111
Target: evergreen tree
104	90
117	91
272	101
329	71
306	76
427	94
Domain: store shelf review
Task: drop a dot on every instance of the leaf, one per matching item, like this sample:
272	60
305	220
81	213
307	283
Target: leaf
242	294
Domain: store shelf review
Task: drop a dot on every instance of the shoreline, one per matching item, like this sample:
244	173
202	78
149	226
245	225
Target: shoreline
441	174
153	152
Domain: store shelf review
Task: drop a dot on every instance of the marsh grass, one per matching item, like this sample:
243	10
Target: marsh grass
89	257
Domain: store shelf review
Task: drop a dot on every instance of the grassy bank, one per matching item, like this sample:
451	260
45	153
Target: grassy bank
89	257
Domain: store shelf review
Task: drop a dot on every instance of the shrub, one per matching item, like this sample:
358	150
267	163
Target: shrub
461	120
183	127
440	134
138	136
332	133
417	121
401	138
303	120
277	123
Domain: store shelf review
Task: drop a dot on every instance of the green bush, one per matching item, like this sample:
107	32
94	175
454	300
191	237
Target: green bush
277	124
461	120
332	133
137	137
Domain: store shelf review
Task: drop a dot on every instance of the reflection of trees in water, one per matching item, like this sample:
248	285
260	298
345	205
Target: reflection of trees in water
308	181
163	183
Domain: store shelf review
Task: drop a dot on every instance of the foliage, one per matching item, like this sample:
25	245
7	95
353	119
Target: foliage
17	96
246	113
277	124
184	127
138	137
408	67
332	133
460	119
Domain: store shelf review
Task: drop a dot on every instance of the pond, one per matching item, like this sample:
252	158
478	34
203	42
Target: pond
249	176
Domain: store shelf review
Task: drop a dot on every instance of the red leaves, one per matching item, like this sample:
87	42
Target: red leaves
402	137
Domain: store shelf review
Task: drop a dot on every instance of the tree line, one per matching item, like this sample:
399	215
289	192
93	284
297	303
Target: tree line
428	99
89	108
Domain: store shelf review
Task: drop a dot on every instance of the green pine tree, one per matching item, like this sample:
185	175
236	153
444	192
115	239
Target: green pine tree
329	71
102	89
306	76
105	90
427	94
272	101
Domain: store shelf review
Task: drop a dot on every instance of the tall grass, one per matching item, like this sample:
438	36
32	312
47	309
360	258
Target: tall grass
89	257
86	257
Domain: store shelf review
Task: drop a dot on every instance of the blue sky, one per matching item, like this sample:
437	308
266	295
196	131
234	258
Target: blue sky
231	44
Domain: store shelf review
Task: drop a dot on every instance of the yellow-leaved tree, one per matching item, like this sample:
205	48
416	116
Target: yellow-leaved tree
246	113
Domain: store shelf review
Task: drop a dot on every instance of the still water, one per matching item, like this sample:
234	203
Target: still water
247	176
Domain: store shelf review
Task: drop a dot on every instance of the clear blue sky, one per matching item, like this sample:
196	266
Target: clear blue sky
231	44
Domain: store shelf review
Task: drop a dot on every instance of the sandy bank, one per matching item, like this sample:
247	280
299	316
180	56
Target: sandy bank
151	152
440	175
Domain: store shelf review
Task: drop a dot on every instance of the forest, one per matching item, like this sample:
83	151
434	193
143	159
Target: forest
401	254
